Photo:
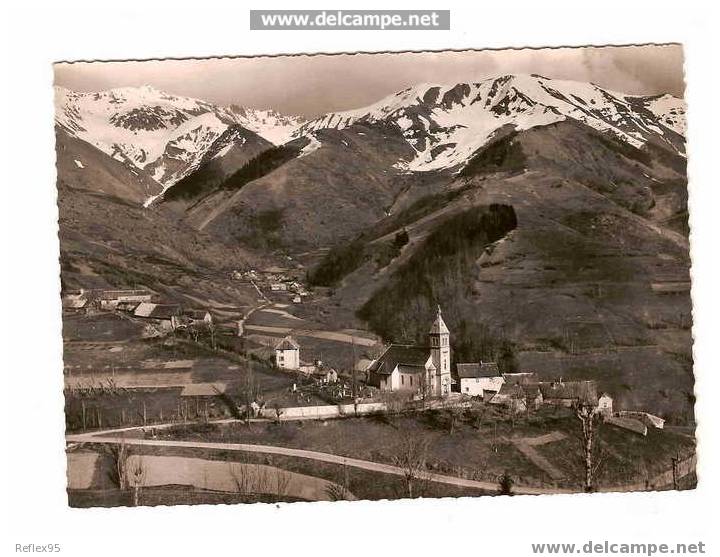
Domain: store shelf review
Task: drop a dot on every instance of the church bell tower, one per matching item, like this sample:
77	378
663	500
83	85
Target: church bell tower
440	352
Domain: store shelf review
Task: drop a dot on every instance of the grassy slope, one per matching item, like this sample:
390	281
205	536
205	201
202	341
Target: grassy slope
105	348
242	147
84	167
363	484
321	198
570	287
480	451
105	241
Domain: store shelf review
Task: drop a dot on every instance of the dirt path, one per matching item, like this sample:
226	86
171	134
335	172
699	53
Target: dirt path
282	313
324	335
526	446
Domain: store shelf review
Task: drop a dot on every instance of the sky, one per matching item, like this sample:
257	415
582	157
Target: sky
310	85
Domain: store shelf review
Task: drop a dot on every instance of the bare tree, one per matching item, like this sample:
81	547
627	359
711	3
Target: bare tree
127	472
411	457
212	334
194	332
279	411
118	453
241	478
249	392
136	477
585	412
281	482
340	490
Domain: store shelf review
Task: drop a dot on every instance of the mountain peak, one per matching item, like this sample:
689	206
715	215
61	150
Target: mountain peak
446	124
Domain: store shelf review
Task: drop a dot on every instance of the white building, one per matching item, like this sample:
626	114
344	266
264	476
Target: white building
287	354
423	370
481	379
648	419
605	405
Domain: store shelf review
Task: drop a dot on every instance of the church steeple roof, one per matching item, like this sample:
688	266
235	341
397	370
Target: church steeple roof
439	326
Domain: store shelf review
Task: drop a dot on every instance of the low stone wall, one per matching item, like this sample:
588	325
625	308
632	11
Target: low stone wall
323	412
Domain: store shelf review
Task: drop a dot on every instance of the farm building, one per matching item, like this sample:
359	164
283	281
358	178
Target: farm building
192	317
164	316
287	354
416	369
480	379
648	419
569	393
520	378
629	424
128	307
77	304
109	299
518	398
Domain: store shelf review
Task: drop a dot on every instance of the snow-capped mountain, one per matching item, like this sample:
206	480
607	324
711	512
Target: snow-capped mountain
163	134
270	125
446	125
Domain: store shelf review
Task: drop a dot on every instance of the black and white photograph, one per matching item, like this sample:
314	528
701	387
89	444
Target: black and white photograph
285	280
366	279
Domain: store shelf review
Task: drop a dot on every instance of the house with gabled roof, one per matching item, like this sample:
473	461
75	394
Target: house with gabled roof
109	299
74	303
163	315
287	354
569	393
520	377
519	397
479	379
423	370
194	318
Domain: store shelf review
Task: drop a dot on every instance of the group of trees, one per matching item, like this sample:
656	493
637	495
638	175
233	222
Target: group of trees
127	472
442	271
337	263
203	332
252	480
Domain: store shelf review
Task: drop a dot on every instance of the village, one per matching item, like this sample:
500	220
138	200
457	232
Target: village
412	374
166	373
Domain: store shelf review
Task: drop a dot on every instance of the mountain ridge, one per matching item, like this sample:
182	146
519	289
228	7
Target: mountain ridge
162	134
446	124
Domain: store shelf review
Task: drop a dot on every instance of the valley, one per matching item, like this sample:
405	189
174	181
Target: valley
546	218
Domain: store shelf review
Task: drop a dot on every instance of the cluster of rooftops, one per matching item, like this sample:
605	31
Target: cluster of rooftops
137	302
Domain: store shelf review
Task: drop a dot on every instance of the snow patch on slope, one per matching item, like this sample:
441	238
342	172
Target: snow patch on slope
167	134
446	124
313	145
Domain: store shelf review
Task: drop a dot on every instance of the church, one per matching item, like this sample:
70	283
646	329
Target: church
422	370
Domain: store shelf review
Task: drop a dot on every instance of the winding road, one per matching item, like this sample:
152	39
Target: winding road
111	437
